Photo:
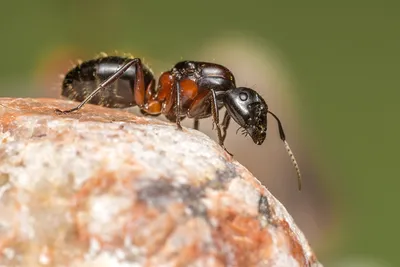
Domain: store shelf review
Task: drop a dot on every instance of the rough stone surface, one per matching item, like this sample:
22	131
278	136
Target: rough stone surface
103	187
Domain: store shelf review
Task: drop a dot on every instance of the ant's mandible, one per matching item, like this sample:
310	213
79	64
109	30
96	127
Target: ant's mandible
190	89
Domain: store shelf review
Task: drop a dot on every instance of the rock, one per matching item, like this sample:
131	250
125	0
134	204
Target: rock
102	187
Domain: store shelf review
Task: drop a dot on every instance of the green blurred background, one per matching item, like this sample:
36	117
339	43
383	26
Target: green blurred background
343	56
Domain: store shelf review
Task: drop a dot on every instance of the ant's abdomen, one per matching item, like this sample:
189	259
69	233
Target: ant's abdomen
84	78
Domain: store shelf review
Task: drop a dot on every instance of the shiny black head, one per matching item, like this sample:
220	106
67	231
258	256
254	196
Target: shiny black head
249	110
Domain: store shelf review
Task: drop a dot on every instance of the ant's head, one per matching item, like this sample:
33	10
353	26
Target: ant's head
249	110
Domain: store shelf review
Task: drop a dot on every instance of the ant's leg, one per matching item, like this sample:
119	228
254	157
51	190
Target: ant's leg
109	81
178	104
196	124
198	109
225	124
138	85
215	114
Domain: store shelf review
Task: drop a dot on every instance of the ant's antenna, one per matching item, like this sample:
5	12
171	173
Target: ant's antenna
289	151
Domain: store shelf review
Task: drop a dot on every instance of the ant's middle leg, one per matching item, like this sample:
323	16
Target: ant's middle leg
178	104
196	124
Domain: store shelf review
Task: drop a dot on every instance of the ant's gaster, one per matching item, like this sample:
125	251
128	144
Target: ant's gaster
190	89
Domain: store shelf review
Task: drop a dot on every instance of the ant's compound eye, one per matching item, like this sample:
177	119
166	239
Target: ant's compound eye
243	96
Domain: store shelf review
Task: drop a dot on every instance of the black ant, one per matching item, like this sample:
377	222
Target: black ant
190	89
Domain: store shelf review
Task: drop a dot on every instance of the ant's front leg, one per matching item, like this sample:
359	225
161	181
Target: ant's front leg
200	108
225	124
138	85
215	114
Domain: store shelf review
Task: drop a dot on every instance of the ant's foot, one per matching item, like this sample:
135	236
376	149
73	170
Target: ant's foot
59	111
179	127
226	150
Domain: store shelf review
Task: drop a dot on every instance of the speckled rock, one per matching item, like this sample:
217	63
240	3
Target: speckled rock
103	187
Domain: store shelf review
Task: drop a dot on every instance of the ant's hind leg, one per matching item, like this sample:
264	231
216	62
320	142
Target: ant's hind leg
138	84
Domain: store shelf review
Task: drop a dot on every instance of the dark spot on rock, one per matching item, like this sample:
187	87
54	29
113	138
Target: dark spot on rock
39	135
264	211
198	209
223	177
161	193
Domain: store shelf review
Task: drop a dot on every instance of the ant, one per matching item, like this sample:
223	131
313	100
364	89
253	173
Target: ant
190	89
